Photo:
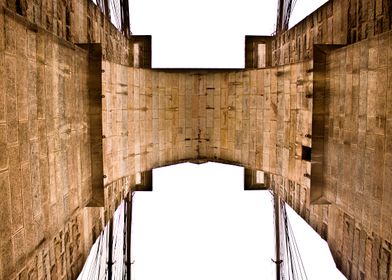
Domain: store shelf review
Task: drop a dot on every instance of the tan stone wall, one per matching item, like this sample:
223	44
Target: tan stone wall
44	166
260	119
257	119
336	22
76	21
45	142
358	156
150	118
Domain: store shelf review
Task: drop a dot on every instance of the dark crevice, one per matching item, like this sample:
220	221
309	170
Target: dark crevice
19	9
306	153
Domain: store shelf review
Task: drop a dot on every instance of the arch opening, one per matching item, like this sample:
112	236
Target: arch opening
204	225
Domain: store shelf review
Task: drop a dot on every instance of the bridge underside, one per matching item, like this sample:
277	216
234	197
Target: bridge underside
84	119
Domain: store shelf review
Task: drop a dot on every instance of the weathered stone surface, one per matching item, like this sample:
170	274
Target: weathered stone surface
258	118
363	192
42	124
336	22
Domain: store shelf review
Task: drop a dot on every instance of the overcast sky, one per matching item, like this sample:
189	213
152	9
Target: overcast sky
199	223
194	225
206	33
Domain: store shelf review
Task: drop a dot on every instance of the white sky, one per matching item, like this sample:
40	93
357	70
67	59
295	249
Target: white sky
199	223
303	8
206	33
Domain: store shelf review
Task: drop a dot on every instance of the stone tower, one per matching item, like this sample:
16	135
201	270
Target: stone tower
84	118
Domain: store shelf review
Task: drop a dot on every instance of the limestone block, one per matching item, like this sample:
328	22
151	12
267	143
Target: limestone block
11	102
7	262
5	206
10	35
3	147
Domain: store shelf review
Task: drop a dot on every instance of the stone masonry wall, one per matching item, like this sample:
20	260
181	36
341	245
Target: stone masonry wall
46	153
358	155
44	147
336	22
255	118
223	111
258	119
76	21
46	231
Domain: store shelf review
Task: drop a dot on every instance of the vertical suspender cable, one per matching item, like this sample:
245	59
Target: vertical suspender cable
125	24
277	234
107	8
129	230
110	251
